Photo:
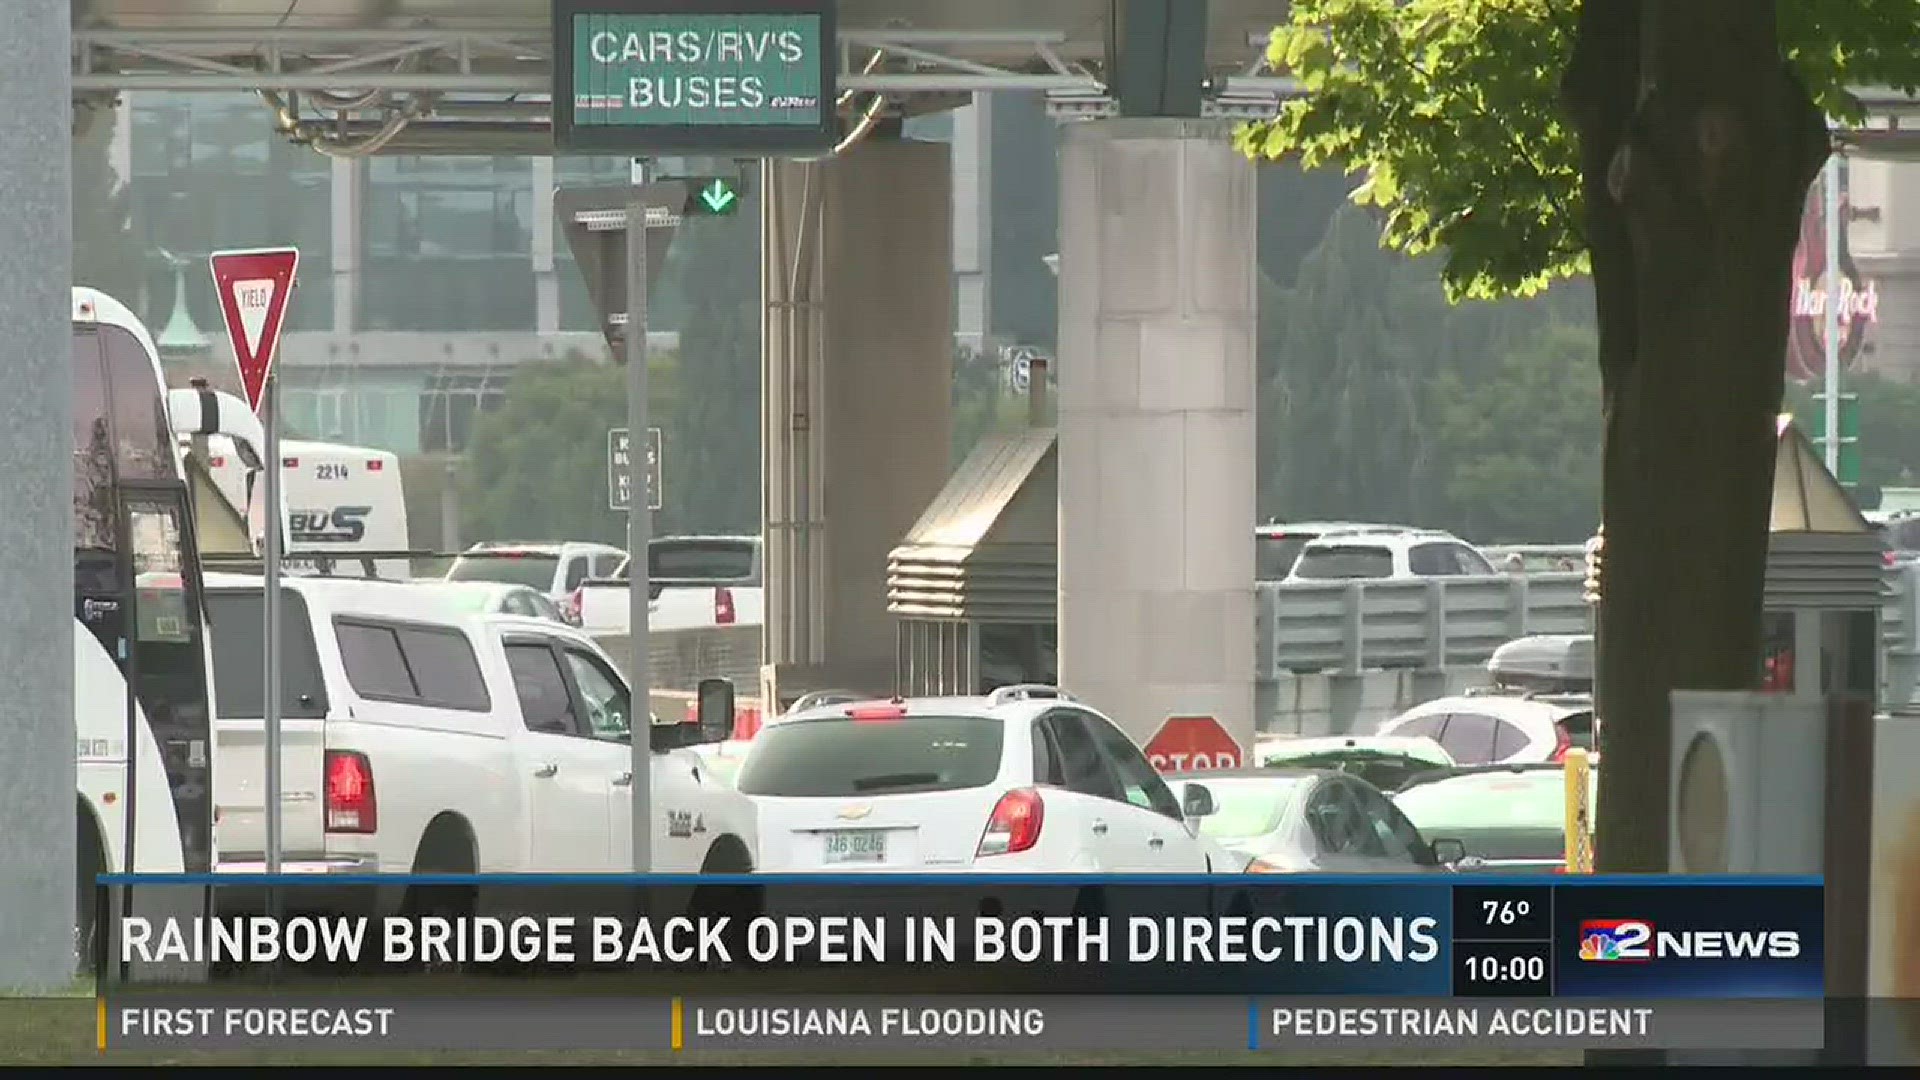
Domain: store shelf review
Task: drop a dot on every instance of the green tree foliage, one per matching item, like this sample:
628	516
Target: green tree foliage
1675	174
982	400
1889	425
536	468
710	457
1371	384
1518	442
103	255
1450	109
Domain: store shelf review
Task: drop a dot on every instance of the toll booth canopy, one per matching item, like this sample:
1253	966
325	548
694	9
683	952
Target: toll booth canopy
1827	579
973	583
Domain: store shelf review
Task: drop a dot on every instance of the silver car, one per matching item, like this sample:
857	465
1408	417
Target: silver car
500	598
1294	821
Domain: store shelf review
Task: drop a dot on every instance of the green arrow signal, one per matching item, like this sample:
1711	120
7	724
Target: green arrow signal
718	196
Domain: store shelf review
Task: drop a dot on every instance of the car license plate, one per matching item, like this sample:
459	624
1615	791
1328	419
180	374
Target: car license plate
856	846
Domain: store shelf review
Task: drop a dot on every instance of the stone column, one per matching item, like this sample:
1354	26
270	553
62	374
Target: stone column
1156	422
38	790
858	341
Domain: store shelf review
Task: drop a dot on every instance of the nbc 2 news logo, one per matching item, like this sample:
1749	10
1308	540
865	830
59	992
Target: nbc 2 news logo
1637	940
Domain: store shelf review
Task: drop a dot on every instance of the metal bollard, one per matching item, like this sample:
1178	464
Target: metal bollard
1579	837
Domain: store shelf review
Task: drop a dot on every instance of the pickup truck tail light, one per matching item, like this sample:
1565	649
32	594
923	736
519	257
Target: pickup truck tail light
351	805
1014	825
723	606
570	608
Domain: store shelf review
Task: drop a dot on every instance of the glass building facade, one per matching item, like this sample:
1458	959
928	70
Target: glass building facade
444	248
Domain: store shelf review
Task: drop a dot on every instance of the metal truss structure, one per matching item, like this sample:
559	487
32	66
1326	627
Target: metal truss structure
425	90
518	61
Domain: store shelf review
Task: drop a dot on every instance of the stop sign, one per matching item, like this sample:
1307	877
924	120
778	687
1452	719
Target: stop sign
1192	742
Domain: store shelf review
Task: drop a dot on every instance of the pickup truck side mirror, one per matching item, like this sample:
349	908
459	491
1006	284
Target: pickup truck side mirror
715	710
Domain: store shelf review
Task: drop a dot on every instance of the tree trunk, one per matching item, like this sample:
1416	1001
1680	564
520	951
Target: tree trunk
1697	146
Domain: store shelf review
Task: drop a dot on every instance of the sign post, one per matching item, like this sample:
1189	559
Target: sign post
1188	743
620	469
619	238
253	287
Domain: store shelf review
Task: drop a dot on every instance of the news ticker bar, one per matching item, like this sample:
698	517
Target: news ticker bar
178	1022
1430	936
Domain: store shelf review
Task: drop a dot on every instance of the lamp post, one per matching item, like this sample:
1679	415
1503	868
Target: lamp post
1830	383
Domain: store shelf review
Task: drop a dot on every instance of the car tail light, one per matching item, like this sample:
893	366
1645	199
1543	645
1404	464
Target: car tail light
571	609
1562	742
375	465
1262	866
351	806
723	606
290	463
1014	825
890	711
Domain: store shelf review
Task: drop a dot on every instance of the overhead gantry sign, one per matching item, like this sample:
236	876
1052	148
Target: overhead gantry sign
657	76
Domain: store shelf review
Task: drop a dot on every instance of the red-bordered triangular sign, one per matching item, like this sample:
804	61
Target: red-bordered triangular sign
253	287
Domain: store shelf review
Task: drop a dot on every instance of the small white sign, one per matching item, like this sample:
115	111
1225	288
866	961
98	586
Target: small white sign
252	298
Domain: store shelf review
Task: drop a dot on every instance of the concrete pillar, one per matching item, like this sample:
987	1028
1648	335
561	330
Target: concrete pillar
37	761
546	283
348	189
973	219
1156	414
857	336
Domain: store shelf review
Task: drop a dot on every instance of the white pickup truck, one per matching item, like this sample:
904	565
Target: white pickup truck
419	737
694	581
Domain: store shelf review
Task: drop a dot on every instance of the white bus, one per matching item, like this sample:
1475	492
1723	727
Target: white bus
340	500
143	682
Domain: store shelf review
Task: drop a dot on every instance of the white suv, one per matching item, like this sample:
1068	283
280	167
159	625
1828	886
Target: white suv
1387	556
554	568
1023	780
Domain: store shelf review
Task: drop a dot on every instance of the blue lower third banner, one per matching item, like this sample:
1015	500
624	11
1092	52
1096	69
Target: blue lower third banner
738	961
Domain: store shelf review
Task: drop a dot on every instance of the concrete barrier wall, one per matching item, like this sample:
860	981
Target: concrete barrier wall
1341	656
1334	703
679	659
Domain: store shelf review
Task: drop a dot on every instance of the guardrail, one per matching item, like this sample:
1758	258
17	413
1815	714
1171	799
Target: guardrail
1354	626
1343	627
1350	627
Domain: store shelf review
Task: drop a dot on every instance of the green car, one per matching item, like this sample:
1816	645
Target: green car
1509	818
1385	761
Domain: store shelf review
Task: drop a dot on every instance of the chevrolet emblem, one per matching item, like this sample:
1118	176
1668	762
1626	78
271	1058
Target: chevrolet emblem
854	813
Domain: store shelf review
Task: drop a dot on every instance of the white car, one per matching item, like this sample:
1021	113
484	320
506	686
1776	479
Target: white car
554	568
1485	729
1277	545
1024	780
1388	556
499	598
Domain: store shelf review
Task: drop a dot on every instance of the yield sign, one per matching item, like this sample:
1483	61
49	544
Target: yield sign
1187	743
253	287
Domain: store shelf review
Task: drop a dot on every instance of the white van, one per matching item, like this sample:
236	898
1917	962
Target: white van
340	500
418	736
